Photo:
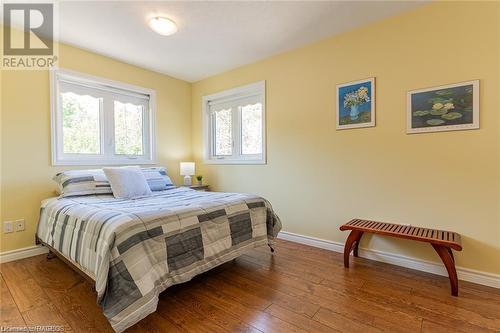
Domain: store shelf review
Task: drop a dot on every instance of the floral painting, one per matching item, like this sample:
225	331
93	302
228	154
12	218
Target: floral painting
356	104
444	108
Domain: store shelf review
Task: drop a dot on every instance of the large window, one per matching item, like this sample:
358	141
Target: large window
97	121
234	125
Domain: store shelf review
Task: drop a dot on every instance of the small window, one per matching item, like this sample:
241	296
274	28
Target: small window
80	124
97	121
129	129
235	125
223	136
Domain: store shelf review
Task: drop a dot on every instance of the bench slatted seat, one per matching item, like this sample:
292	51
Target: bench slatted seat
442	241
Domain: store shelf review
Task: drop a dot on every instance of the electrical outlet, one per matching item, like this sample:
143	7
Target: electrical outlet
8	226
19	225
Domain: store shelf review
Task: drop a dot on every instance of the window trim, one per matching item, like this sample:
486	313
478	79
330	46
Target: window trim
257	88
55	76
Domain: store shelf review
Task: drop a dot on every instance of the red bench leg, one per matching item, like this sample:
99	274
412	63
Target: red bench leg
353	239
447	257
356	244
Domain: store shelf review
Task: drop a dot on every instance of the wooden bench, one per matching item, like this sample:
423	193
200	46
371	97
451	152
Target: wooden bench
442	241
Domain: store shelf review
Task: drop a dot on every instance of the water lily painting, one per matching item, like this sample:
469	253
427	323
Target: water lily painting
444	108
356	104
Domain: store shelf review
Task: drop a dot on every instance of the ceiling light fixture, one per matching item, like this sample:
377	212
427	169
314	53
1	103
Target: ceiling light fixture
163	25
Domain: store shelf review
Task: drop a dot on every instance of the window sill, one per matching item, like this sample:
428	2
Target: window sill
248	162
103	162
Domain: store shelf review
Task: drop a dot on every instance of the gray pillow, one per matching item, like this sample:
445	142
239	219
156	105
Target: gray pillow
82	182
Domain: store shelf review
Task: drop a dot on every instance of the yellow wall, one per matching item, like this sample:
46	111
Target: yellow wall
317	177
26	169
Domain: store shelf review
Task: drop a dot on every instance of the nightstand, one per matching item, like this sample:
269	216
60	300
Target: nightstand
205	188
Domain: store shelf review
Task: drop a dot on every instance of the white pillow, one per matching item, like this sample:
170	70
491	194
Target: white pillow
127	182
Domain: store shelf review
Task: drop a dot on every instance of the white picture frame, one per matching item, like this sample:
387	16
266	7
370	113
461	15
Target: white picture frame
451	107
345	117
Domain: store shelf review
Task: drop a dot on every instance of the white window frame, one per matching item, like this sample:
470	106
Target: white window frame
250	90
107	138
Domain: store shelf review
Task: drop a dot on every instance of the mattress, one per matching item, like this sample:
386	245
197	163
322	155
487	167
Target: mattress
135	249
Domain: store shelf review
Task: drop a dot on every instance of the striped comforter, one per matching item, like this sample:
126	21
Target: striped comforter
135	249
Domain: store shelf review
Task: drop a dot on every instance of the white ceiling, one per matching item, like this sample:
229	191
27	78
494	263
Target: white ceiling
213	36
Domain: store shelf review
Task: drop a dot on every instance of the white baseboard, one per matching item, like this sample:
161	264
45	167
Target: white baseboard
465	274
25	252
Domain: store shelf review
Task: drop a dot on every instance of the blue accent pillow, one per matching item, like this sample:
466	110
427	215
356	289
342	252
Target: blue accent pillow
157	178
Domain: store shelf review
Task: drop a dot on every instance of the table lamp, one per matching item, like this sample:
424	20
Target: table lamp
187	170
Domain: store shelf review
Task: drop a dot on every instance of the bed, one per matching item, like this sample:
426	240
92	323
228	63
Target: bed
135	249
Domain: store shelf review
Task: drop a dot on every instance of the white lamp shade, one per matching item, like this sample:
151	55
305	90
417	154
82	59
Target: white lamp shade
187	168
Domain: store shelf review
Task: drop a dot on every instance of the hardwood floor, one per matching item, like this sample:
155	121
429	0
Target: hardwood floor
298	289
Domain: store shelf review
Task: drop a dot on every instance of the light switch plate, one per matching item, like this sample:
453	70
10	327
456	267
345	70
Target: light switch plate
8	226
